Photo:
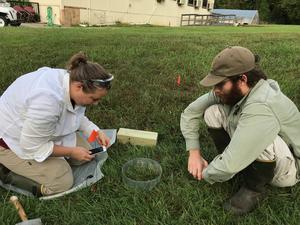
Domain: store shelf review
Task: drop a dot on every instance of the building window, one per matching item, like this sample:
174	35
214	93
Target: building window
191	2
181	2
204	4
194	3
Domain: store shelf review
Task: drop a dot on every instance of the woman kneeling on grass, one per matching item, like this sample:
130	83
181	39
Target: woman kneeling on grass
40	114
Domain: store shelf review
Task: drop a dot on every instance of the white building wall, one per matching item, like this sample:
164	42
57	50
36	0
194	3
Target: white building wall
166	13
56	10
97	12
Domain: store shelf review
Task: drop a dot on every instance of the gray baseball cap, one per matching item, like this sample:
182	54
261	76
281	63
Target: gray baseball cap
230	62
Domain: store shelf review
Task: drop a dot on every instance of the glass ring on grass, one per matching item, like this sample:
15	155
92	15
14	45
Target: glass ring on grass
141	173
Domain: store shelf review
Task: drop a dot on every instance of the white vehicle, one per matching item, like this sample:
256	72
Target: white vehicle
8	15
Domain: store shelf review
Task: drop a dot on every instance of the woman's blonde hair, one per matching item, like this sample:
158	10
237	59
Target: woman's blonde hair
84	71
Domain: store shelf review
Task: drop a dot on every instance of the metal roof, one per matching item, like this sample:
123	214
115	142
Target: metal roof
246	16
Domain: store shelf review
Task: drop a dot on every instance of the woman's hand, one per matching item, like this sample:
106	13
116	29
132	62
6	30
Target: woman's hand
81	154
196	164
102	139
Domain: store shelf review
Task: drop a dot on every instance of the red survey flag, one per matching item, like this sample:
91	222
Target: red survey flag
93	136
178	80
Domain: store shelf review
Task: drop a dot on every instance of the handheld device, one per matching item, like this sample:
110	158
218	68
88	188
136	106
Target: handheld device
99	149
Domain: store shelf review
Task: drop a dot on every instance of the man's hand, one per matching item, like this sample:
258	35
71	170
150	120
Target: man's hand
196	164
81	154
102	139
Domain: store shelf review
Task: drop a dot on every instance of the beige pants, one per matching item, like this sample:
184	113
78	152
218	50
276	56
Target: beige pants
285	170
54	173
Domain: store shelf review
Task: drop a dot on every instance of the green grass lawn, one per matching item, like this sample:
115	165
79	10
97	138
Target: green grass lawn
145	62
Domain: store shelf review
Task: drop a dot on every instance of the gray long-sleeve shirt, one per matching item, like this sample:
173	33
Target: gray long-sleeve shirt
253	124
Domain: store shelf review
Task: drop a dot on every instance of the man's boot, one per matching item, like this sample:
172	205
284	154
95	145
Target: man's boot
23	183
256	176
220	138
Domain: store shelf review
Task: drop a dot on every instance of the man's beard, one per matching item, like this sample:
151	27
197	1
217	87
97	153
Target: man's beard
233	97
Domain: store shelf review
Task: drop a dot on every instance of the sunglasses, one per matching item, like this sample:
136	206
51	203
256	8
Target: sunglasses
233	78
221	84
101	83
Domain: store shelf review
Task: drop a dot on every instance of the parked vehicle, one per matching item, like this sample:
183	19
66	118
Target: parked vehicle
27	14
8	15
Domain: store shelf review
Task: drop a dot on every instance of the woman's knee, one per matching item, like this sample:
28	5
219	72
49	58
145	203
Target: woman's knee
59	180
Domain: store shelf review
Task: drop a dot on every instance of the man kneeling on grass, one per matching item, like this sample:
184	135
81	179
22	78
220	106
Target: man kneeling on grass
255	127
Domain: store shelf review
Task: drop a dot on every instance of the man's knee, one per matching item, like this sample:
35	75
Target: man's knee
214	117
286	169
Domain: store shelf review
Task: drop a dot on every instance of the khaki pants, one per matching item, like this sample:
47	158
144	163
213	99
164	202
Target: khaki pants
285	170
55	173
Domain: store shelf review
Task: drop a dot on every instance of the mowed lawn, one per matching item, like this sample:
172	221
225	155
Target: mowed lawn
146	62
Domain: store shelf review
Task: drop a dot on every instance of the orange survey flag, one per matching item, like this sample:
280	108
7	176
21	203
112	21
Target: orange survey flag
93	136
178	80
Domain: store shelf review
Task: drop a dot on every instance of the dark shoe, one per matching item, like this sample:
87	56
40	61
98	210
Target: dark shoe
3	172
220	138
256	176
23	183
243	202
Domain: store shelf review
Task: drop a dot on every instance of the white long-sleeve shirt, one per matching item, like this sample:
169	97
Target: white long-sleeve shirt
36	113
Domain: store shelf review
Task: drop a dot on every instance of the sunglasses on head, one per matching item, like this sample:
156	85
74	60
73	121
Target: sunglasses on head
101	83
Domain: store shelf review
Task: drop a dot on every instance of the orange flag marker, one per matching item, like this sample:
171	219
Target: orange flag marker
93	136
178	80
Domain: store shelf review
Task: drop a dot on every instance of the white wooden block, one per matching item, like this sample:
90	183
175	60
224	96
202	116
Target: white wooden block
137	137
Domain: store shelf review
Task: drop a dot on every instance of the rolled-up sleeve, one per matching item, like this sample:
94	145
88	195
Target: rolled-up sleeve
87	126
40	119
191	117
256	130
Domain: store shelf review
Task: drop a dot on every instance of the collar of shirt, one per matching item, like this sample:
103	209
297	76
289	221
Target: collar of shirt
66	87
237	106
